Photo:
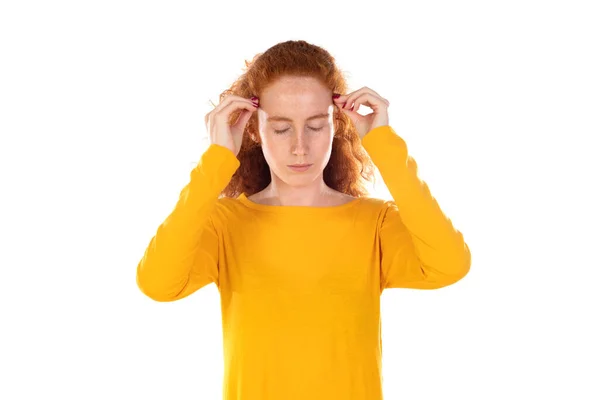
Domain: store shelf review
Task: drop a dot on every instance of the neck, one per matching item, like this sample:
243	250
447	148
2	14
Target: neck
281	194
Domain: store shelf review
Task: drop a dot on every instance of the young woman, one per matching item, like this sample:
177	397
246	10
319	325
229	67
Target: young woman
277	216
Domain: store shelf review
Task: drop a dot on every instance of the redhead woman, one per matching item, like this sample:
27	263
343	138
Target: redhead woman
276	214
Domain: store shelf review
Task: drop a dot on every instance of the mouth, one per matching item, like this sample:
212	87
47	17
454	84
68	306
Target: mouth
299	167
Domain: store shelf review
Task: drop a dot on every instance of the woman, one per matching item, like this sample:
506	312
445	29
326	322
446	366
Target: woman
277	216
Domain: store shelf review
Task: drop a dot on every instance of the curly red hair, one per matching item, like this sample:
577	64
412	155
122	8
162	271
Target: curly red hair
349	168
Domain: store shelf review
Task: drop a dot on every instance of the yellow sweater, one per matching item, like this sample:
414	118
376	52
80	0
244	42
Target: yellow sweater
300	286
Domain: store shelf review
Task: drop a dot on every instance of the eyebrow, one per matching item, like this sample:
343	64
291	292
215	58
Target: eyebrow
279	118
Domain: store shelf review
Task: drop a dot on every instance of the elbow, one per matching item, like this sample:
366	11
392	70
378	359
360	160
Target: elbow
151	291
457	269
460	271
454	271
442	281
463	263
154	290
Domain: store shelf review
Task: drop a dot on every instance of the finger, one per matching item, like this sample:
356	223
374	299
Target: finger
370	100
233	105
349	103
369	90
216	108
340	100
363	99
348	99
350	106
242	119
354	95
351	99
228	100
354	116
378	98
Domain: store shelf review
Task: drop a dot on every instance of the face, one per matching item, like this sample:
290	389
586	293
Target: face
295	123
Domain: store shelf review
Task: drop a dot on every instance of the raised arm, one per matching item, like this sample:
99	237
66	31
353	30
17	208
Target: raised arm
182	257
420	248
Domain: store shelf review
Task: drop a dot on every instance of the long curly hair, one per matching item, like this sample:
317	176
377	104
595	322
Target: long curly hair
349	169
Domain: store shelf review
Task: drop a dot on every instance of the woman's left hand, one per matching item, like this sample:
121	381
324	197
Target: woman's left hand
349	104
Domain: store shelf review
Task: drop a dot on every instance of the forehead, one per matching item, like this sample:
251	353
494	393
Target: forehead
295	90
295	98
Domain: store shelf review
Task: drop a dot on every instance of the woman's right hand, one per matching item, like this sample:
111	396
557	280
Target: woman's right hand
217	121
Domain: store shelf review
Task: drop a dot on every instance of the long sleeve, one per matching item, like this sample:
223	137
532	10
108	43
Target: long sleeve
182	257
420	248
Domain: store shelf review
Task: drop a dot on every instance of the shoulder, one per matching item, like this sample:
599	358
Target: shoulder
367	203
225	210
379	210
376	205
375	202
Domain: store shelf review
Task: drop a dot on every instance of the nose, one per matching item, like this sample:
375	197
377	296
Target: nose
299	147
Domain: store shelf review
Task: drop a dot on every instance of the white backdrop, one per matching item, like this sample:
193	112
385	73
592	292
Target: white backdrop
102	110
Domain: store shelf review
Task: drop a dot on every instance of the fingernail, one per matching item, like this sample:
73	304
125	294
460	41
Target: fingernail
254	99
336	95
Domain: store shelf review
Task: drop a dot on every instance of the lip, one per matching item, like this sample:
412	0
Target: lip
299	167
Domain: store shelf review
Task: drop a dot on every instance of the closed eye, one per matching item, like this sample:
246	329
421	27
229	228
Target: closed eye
310	127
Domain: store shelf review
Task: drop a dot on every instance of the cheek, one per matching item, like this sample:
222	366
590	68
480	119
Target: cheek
273	151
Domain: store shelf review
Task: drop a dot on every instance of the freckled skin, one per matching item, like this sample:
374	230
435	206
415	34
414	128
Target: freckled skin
297	98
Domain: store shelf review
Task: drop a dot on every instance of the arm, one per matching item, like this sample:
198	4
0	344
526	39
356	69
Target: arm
183	255
420	248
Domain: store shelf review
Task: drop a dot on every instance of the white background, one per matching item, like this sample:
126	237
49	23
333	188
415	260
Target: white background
102	110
